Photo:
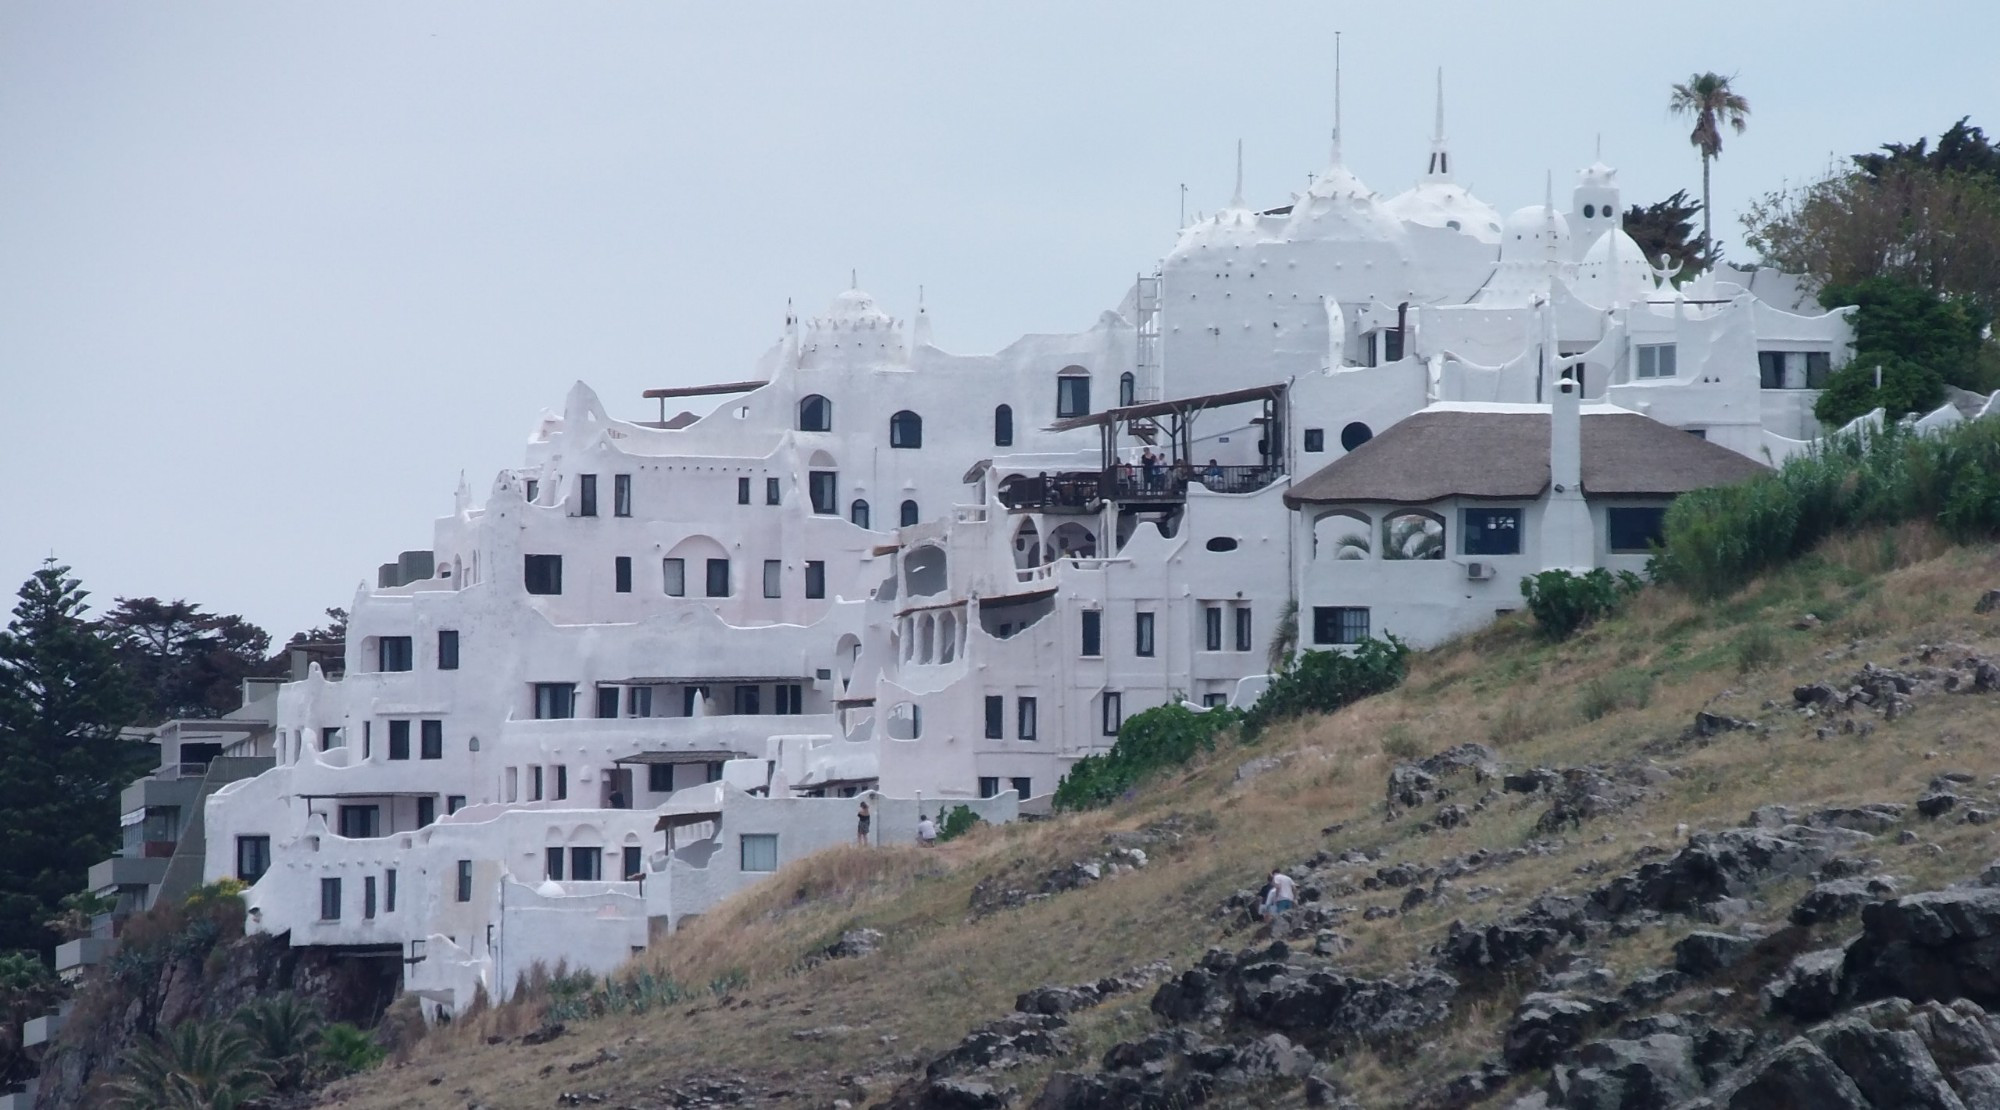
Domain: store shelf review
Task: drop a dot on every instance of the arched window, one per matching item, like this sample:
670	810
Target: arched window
1413	534
1354	435
1126	388
1073	392
1003	426
909	513
815	414
858	513
906	429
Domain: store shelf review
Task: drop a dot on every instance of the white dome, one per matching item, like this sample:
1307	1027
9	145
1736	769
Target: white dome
1525	234
1231	227
1614	271
853	309
1447	205
1340	207
1597	175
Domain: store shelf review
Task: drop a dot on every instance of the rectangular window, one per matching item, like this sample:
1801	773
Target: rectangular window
562	781
1024	718
1211	620
360	822
367	739
1142	634
430	738
824	488
1114	712
1093	628
465	880
513	782
1819	369
426	810
714	771
633	865
1392	344
1210	701
989	786
621	495
743	491
453	803
1491	531
329	739
1072	396
1656	360
1315	440
535	783
389	891
673	577
1771	369
996	717
399	739
718	578
621	574
534	490
772	491
774	578
1024	788
253	857
748	701
368	897
1243	629
660	778
639	701
447	649
1333	624
586	495
607	701
395	653
555	701
791	698
586	865
760	852
1635	531
329	899
552	864
815	578
543	573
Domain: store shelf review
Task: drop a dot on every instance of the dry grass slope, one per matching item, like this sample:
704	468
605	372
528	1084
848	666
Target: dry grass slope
1604	696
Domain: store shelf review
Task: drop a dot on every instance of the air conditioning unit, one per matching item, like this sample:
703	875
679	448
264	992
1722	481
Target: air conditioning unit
1479	572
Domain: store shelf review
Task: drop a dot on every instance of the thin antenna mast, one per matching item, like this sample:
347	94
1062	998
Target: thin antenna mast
1336	97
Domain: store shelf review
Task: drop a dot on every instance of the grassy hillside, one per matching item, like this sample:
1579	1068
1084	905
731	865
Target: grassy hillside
761	1017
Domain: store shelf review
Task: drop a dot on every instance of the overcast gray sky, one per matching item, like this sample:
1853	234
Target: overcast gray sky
272	274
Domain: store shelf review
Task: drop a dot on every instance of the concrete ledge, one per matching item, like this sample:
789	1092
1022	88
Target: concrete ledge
85	952
40	1030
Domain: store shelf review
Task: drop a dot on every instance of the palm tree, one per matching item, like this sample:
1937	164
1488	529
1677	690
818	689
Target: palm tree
205	1065
1707	99
285	1032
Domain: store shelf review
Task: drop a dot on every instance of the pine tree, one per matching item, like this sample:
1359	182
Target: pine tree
63	700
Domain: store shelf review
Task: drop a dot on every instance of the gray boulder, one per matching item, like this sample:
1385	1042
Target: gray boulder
1891	1067
1940	944
1810	989
1648	1073
1839	899
1547	1025
1702	953
1795	1075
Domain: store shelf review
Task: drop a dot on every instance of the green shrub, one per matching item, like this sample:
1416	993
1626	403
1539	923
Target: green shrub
1757	647
1718	539
1564	603
1906	387
1627	688
956	822
1161	737
345	1049
1324	681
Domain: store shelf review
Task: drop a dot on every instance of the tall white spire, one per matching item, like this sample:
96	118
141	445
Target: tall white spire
1236	198
1336	98
1440	167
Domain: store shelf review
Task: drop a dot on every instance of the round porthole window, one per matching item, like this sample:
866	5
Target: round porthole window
1589	210
1222	543
1354	435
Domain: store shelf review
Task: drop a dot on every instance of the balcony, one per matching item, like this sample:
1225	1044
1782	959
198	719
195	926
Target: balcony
85	952
1085	491
119	871
166	788
41	1030
744	732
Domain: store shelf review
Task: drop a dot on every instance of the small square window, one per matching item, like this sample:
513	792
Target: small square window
454	802
1656	360
660	778
760	852
1491	531
1024	788
1315	440
395	653
543	573
989	786
253	857
1635	531
1334	624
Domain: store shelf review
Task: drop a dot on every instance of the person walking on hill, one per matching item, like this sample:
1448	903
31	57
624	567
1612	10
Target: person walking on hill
861	825
1280	896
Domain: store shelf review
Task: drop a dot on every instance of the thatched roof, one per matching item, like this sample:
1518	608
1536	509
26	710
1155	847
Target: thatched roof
1505	455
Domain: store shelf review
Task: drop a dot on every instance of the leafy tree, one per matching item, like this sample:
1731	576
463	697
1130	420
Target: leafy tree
1710	101
63	700
28	989
186	662
335	628
210	1065
1666	227
1920	340
1906	386
1928	218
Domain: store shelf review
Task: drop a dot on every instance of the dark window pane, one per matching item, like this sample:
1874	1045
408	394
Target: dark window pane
399	739
621	574
1635	530
447	650
432	739
996	716
543	573
1003	426
586	495
1492	531
1093	629
718	578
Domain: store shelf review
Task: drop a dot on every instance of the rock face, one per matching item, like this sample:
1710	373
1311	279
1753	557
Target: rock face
1941	944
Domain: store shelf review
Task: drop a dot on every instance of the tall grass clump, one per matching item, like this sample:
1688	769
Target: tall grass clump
1718	539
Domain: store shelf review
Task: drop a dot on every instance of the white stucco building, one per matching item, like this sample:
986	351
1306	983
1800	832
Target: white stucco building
665	656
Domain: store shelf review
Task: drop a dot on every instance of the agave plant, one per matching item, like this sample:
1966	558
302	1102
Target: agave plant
347	1049
197	1066
284	1031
